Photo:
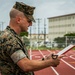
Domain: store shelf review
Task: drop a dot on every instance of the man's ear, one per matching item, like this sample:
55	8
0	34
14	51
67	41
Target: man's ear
18	19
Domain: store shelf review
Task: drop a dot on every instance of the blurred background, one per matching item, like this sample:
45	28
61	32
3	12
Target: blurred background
54	27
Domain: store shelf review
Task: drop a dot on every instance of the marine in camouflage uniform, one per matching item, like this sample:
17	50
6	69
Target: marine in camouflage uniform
11	45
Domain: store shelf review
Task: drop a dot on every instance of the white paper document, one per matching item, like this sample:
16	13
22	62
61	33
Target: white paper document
66	49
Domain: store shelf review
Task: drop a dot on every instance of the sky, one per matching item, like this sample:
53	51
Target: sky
44	10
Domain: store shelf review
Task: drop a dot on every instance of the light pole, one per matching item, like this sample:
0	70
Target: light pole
44	31
30	38
38	29
66	41
1	25
30	45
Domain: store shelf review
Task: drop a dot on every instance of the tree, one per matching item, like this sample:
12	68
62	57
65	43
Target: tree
26	41
24	38
70	34
60	41
24	34
70	38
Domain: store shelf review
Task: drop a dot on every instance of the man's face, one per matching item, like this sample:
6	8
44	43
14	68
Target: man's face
25	23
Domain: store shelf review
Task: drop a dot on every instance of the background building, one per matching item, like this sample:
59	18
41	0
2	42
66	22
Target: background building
36	39
61	25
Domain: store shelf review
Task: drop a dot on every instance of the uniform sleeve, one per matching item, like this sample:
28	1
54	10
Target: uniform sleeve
18	55
15	50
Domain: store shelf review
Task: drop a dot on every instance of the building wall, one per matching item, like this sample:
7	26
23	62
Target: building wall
60	25
35	37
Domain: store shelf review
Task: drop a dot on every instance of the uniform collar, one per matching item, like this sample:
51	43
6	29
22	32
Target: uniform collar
8	28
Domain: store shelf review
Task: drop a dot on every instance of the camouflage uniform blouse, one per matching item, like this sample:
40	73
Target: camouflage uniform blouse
11	51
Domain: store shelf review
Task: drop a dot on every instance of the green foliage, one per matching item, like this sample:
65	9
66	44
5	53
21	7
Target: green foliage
24	34
70	34
43	48
26	40
61	40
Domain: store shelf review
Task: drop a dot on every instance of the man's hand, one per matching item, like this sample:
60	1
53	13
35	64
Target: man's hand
55	59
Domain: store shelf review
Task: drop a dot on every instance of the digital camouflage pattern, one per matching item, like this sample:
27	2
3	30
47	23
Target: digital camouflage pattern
26	9
10	42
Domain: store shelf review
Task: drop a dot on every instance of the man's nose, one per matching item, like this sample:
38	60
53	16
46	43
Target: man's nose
30	24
